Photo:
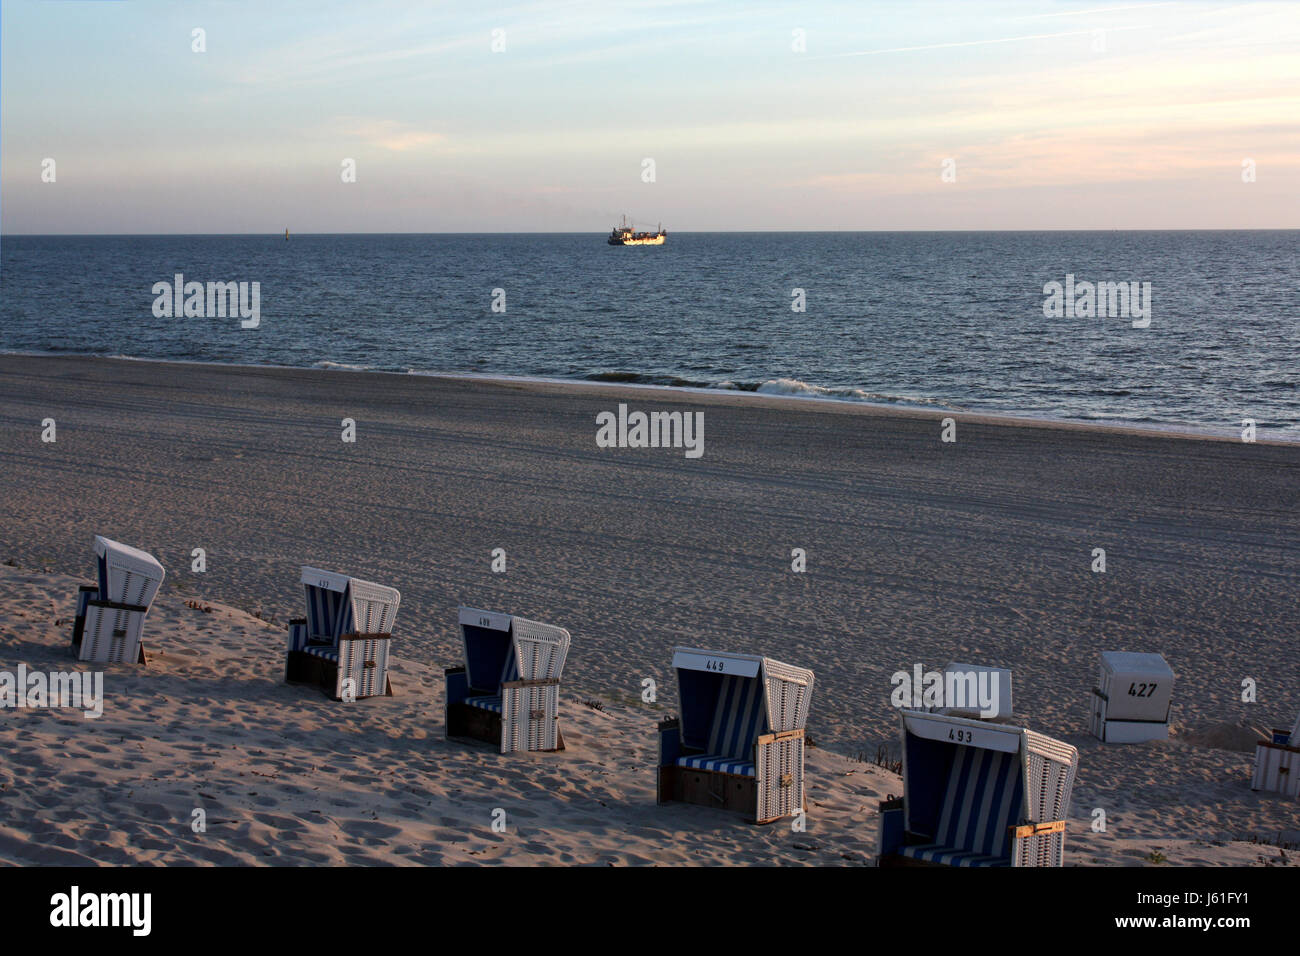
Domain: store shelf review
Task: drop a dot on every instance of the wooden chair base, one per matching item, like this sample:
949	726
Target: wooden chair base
711	788
894	861
483	726
304	668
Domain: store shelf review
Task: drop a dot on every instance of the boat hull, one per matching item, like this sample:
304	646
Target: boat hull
652	241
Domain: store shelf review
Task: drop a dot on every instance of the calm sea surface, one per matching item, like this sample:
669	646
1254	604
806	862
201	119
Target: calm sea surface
949	320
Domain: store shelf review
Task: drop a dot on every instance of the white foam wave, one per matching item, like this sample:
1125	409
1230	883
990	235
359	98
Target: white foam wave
343	366
795	388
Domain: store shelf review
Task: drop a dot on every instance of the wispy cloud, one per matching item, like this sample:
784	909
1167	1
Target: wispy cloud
334	57
743	125
1094	10
967	43
391	135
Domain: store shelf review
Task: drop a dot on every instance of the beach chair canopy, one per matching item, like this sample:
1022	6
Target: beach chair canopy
729	700
502	647
126	575
338	604
967	782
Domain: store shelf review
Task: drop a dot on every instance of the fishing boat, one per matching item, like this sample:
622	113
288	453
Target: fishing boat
623	235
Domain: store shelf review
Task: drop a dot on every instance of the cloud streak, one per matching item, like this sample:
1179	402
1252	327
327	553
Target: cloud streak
969	43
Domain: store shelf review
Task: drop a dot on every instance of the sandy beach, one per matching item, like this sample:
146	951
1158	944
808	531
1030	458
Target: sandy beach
918	551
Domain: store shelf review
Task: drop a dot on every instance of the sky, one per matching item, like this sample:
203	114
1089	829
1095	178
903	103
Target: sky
863	115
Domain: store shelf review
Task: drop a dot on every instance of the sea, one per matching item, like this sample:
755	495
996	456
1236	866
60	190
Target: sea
1192	330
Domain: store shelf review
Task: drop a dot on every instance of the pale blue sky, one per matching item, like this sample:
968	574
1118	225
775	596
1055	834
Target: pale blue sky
1050	123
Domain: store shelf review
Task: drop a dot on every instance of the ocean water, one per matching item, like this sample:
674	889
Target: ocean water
943	320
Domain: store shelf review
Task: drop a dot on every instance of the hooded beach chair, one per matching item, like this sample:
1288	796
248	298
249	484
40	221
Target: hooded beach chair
977	794
739	742
1277	763
1131	702
110	614
508	692
342	644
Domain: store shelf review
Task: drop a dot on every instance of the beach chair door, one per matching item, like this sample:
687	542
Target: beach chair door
1277	770
363	660
530	718
530	709
778	761
111	635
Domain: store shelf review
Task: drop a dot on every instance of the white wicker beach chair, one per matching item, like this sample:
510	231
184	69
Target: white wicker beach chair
508	692
342	644
739	742
1131	702
1277	763
110	615
977	794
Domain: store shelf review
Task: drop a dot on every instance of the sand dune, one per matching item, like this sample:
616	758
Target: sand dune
286	776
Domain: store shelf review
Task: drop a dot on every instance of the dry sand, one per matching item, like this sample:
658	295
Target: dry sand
918	552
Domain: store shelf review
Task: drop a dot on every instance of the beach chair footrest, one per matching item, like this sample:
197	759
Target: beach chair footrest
474	723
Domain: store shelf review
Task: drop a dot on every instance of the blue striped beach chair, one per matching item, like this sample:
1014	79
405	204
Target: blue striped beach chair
738	743
1277	763
977	794
508	692
109	623
342	644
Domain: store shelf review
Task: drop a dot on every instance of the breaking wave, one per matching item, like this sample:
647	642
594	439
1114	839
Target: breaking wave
785	387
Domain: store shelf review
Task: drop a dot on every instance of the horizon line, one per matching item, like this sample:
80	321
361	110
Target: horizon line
698	232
